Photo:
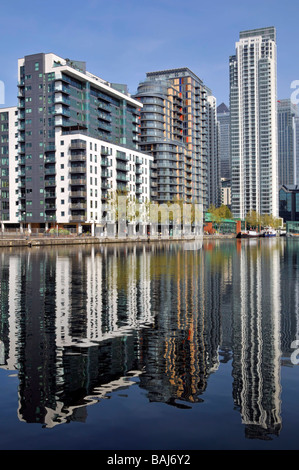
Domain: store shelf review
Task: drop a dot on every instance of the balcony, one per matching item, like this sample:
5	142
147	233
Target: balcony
102	125
78	182
104	117
60	99
78	194
78	144
105	174
81	157
121	167
122	177
78	206
122	156
50	207
78	169
104	163
102	105
77	218
50	195
50	218
50	182
105	151
62	89
50	171
63	111
50	159
50	148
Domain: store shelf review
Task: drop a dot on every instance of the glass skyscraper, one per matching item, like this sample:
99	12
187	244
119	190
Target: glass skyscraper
287	112
224	147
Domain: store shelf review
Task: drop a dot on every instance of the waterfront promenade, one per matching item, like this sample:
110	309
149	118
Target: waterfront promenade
30	241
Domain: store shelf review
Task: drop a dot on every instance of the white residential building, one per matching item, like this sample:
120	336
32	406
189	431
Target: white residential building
9	166
253	113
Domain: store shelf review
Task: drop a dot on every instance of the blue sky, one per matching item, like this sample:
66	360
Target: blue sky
121	40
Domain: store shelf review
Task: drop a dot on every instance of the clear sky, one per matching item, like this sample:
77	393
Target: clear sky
121	40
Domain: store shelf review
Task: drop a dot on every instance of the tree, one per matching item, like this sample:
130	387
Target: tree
253	219
268	220
218	214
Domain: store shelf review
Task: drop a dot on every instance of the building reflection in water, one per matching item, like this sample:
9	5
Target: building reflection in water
256	339
78	324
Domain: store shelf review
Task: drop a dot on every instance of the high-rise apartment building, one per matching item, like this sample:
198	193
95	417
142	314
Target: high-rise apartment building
223	118
253	120
78	142
9	166
174	129
161	127
286	114
213	152
297	148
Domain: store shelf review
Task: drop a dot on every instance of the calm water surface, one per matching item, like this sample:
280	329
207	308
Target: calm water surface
154	346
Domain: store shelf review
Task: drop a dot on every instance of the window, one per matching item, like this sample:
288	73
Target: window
36	66
61	178
62	214
62	201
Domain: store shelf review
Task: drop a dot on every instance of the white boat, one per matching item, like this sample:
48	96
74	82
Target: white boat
269	232
249	234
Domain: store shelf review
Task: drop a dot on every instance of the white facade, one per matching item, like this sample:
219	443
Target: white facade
253	108
10	138
98	175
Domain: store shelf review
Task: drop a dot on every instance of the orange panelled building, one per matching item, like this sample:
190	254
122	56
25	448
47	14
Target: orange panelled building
175	130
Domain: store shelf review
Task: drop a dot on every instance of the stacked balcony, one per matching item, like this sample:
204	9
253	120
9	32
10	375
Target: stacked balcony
78	180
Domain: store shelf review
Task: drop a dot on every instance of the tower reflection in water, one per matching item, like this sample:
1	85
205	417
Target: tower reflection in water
80	323
256	310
